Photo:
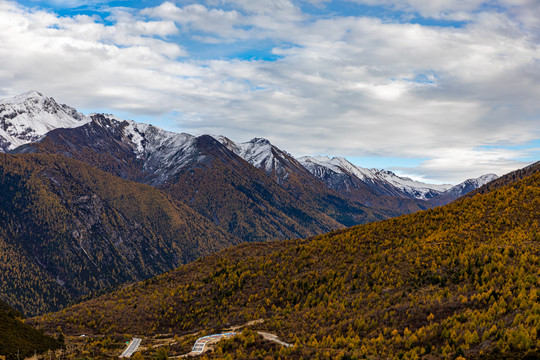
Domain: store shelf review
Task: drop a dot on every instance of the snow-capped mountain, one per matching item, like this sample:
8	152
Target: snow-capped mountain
32	122
135	151
470	184
335	171
339	165
28	117
463	188
340	174
413	188
163	153
260	153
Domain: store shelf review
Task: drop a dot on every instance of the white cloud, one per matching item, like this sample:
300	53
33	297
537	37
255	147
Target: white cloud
69	4
468	164
225	25
283	8
353	86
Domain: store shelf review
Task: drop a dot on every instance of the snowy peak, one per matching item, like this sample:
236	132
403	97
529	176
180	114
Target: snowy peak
323	167
260	153
484	179
149	140
145	139
161	152
469	185
260	141
28	117
414	189
338	165
21	98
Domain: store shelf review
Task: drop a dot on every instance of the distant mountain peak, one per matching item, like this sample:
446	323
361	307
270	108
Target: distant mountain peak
487	178
27	117
17	99
261	141
338	165
259	152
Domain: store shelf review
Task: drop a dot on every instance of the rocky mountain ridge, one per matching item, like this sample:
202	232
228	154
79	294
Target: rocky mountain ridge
261	187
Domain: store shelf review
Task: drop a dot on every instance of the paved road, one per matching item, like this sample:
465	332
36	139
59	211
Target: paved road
131	348
200	344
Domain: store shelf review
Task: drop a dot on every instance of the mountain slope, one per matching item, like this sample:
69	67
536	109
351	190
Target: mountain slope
67	229
225	188
455	280
19	340
296	179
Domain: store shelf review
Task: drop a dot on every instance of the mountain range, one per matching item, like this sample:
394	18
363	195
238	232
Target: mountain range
147	154
93	201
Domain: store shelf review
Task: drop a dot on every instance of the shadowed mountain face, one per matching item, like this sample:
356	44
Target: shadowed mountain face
461	278
67	229
225	188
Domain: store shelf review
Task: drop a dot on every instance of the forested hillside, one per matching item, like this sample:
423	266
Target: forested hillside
18	340
67	229
458	280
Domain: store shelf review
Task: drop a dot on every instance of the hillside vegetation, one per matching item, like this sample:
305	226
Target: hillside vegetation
458	280
20	339
67	230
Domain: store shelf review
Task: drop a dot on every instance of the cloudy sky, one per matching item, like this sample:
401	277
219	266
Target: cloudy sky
441	90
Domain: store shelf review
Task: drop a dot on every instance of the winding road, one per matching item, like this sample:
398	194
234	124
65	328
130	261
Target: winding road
131	348
200	345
